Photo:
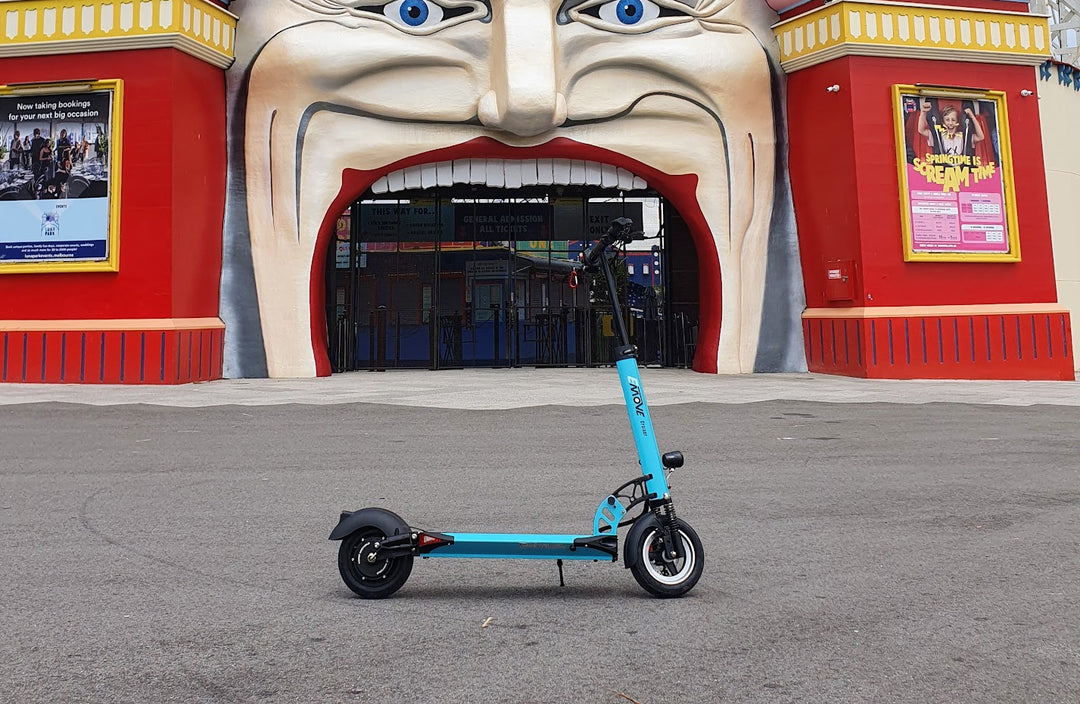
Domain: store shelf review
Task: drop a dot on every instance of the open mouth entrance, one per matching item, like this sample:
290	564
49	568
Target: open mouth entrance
471	276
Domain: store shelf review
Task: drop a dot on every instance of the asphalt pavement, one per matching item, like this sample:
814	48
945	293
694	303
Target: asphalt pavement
865	540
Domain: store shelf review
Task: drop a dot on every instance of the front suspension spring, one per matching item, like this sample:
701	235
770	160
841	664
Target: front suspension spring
673	527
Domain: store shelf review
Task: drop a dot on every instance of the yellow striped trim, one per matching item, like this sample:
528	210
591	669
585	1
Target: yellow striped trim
42	27
935	311
121	324
841	29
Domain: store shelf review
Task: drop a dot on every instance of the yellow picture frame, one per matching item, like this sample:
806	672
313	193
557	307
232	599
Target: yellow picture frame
980	223
111	261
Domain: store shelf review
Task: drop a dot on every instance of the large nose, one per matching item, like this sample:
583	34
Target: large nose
524	96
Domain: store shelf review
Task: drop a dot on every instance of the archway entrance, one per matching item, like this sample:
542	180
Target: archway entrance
471	277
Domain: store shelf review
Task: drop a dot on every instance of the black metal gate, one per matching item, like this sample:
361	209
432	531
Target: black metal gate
393	302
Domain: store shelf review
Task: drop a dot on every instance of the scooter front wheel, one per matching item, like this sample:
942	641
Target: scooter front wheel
366	574
660	575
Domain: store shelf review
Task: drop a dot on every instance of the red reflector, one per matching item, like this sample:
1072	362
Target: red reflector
426	540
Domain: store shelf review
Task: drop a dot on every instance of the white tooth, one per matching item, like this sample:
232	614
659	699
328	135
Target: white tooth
544	172
512	174
577	172
396	180
592	173
609	176
497	173
495	176
461	170
561	169
444	173
427	176
478	171
528	172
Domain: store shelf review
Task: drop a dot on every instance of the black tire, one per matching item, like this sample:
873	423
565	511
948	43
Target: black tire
666	578
371	580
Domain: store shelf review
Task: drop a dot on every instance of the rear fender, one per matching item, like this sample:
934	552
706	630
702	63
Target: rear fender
351	521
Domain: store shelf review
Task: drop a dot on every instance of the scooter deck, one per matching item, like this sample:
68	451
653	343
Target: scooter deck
527	546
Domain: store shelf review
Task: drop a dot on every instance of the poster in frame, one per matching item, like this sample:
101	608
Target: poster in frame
955	170
60	185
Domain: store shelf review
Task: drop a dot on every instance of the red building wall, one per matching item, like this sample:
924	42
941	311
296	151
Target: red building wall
162	305
847	203
847	192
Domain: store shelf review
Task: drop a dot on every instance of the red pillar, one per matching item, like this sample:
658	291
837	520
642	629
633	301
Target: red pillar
870	312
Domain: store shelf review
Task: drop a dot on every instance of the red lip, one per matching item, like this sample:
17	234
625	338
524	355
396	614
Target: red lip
680	190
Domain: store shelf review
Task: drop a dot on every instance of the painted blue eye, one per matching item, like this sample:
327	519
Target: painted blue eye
413	14
629	13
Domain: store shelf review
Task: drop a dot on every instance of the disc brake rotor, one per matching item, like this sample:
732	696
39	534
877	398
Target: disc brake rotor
658	556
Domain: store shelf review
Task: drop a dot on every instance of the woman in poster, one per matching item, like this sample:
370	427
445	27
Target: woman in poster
46	164
101	146
64	145
15	152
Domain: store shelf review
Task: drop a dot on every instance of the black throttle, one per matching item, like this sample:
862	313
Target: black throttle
618	231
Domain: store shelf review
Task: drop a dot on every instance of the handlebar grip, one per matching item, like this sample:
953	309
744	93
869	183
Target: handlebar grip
618	230
592	254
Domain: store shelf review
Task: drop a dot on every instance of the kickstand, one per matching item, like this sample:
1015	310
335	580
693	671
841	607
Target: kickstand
561	582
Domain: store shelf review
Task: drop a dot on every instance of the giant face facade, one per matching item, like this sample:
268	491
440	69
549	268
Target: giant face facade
332	97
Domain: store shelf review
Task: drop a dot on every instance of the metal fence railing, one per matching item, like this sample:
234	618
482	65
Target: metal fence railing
389	338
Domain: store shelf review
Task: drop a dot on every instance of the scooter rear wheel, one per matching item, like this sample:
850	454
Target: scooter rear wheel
662	576
365	574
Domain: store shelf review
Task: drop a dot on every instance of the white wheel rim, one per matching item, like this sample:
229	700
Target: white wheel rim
689	559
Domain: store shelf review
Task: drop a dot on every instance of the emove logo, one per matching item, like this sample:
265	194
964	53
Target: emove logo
635	393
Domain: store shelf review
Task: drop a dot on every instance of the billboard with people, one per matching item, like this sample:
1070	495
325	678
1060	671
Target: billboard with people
58	186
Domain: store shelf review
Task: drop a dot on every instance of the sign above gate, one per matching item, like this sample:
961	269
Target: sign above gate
502	222
492	223
405	222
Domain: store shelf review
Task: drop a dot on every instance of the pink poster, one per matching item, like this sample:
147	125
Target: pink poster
955	186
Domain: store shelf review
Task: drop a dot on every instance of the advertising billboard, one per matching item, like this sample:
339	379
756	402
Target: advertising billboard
955	167
59	195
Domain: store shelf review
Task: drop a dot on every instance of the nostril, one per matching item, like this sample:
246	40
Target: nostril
522	117
560	109
488	109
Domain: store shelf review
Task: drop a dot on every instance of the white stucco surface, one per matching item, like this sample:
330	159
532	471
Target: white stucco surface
1059	106
686	91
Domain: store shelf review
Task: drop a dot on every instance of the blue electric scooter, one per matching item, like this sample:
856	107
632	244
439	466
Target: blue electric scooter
663	552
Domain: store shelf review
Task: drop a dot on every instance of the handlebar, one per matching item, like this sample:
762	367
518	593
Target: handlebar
618	231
